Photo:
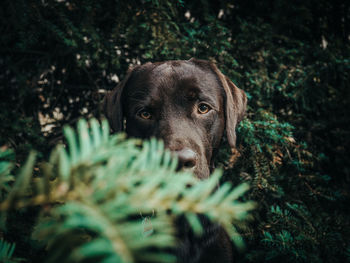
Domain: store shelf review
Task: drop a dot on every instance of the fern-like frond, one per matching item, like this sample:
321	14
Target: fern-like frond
116	200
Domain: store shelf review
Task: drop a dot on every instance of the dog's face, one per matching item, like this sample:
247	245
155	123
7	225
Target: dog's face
187	104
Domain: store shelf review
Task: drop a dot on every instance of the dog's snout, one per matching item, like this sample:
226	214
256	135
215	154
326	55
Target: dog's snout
187	158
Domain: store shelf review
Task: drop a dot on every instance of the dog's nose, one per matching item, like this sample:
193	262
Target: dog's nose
187	158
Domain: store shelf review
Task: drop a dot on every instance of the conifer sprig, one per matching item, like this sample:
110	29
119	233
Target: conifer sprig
109	199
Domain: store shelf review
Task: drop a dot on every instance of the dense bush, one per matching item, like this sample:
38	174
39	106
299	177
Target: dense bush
292	59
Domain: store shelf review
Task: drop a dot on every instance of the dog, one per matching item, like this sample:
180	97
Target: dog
189	104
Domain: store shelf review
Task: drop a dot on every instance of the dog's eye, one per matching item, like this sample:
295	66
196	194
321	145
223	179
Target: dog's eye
145	115
203	108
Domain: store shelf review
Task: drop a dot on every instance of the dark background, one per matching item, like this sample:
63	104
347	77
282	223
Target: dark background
58	58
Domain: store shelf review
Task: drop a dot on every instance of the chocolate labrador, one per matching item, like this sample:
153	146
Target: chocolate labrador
189	105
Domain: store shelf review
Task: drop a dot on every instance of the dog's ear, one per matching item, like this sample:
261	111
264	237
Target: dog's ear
112	105
235	108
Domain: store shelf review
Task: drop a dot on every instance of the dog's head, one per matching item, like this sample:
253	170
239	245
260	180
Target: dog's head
187	104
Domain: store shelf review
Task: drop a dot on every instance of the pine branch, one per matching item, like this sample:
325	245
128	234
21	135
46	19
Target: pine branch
104	194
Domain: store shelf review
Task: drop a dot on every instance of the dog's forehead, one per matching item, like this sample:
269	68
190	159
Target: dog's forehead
172	78
183	74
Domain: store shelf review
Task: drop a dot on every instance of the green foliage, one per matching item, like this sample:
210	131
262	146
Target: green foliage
94	195
292	246
293	220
